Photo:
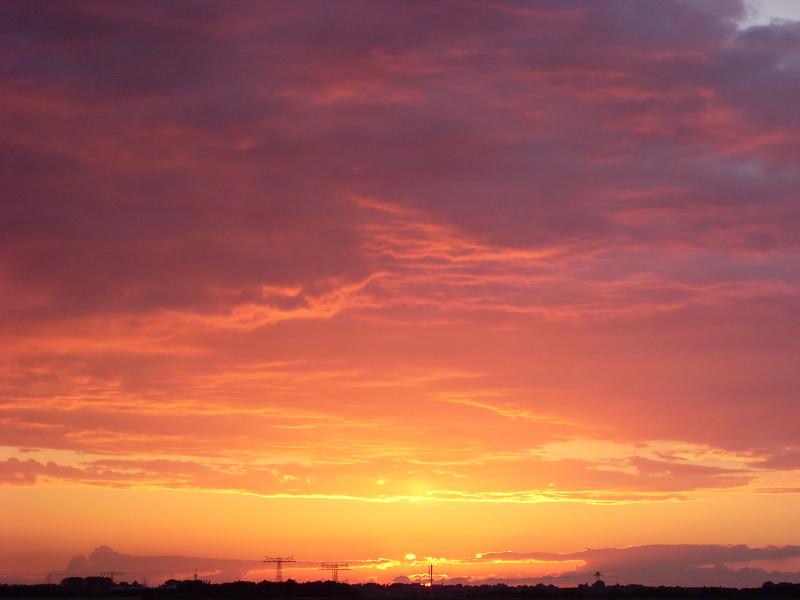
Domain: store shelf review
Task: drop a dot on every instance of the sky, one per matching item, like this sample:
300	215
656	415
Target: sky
479	284
765	11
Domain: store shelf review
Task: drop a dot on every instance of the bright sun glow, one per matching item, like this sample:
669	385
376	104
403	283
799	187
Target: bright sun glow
411	556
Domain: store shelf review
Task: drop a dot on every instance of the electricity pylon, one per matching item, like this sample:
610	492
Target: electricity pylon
335	568
597	576
279	562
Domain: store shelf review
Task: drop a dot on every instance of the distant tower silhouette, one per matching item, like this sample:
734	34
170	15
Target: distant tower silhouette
334	568
597	576
279	562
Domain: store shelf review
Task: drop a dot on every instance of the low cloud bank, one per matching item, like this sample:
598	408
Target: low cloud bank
682	564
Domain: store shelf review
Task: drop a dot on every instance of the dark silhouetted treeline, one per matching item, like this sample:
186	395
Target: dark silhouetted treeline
85	587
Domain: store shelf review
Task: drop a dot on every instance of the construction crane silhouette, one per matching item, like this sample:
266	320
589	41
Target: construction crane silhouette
334	568
279	562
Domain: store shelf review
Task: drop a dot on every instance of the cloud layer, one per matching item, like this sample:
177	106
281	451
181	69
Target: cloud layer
484	253
685	565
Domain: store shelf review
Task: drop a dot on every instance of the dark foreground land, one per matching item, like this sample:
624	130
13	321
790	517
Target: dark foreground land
98	587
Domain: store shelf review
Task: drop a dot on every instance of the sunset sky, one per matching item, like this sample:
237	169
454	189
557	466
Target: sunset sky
483	283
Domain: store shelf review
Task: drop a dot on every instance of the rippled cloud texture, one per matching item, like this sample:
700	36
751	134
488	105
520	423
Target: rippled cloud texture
492	270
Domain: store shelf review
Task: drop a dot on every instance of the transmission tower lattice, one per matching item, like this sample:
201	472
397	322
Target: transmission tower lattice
279	561
334	568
